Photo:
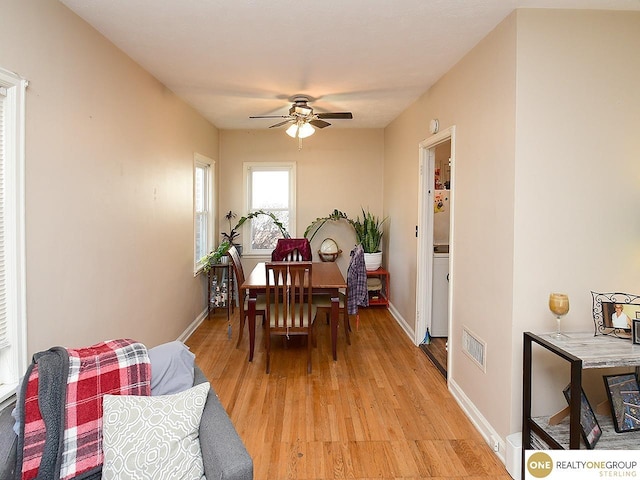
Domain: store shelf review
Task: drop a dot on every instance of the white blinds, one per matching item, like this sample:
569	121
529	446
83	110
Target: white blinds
13	318
201	211
4	338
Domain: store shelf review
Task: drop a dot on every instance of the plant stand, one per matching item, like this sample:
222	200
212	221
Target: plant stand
220	291
379	290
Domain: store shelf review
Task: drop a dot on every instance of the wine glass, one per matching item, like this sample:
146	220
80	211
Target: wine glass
559	305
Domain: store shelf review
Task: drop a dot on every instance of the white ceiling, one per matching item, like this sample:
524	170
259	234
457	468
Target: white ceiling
231	59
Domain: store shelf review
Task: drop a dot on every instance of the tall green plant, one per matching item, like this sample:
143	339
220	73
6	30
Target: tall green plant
215	256
320	221
276	222
233	233
368	231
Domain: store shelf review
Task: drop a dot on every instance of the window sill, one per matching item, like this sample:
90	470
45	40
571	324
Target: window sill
198	272
7	395
258	256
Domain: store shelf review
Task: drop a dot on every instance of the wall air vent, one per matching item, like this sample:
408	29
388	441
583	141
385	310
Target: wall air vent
475	348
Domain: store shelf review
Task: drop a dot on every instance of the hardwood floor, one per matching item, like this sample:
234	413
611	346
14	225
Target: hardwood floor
437	352
381	411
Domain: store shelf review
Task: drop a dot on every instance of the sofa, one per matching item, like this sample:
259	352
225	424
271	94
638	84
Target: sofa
223	453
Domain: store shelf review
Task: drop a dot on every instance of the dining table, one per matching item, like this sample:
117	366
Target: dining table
326	278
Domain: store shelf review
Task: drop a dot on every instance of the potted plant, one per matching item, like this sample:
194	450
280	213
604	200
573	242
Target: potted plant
369	234
216	256
233	232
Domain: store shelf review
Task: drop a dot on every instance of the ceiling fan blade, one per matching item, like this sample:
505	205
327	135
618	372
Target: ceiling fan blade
319	123
272	116
281	123
336	115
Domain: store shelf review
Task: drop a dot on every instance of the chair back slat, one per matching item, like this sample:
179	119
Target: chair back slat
289	294
289	303
294	256
236	263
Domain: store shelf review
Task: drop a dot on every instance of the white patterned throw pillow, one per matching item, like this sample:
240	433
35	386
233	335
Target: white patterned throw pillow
153	438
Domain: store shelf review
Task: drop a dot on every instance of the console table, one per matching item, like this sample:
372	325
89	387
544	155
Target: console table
581	350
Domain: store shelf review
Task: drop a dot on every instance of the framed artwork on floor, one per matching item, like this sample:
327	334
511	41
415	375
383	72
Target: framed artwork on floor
624	396
635	332
591	430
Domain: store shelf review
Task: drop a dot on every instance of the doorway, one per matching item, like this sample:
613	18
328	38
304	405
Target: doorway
435	247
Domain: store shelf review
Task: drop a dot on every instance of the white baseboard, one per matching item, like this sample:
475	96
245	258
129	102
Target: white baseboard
470	410
478	420
192	327
408	329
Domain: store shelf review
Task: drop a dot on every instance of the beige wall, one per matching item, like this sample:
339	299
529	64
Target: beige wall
109	187
478	97
336	169
545	110
577	175
109	161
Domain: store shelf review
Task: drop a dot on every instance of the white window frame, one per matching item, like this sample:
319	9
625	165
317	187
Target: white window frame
201	161
248	168
13	358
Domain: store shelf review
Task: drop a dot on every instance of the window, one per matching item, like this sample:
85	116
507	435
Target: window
269	187
13	351
202	209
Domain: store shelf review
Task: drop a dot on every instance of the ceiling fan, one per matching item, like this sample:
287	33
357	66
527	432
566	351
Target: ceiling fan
301	117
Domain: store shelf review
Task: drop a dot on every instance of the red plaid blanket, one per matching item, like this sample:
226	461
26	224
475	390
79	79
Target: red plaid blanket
62	424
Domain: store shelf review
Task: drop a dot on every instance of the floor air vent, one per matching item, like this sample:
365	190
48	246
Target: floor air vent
475	348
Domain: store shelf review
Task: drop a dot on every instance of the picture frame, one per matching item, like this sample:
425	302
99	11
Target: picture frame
591	431
635	332
623	392
604	308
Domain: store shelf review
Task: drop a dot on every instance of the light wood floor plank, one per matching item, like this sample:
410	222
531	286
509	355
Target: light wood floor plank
381	411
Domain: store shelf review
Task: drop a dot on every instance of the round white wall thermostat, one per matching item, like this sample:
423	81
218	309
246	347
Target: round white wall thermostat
434	125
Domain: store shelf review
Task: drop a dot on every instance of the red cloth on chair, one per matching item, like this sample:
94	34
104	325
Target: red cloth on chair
287	246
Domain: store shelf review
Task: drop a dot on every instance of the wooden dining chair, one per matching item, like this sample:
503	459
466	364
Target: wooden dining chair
243	302
290	309
323	302
299	249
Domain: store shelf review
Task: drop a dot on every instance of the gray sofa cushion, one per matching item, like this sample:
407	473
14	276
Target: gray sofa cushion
223	454
171	368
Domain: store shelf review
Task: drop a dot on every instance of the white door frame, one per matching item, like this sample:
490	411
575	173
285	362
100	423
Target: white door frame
424	280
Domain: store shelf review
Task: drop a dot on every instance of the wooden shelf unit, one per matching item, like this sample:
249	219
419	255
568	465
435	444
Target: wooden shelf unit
582	350
224	273
382	295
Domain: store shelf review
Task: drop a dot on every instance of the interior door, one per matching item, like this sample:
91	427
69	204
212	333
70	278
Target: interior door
425	233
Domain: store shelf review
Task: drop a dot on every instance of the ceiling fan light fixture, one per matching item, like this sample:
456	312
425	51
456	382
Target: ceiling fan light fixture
306	130
302	120
292	131
303	110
